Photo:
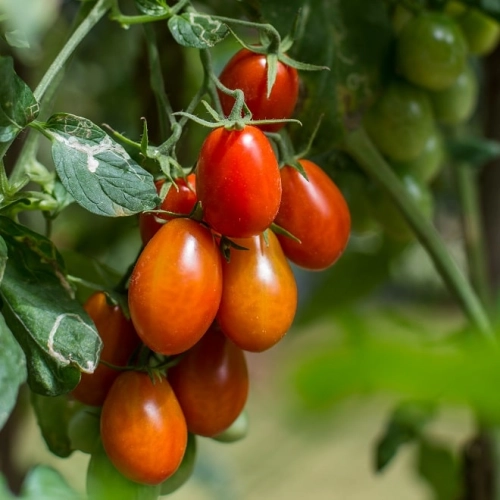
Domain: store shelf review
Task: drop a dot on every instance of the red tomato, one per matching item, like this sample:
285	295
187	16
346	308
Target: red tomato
119	343
211	383
248	71
316	213
259	296
143	429
238	181
176	286
180	199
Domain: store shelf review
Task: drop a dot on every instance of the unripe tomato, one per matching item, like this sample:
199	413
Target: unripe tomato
83	429
185	470
238	181
119	343
180	199
211	383
175	288
248	71
104	482
431	50
400	121
236	431
143	429
481	31
259	296
315	212
456	104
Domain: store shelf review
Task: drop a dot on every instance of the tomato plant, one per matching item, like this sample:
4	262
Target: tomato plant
259	296
247	71
238	181
316	199
143	429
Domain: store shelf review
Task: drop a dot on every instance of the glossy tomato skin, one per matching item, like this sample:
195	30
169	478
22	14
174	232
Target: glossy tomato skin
211	383
176	286
259	296
119	340
248	71
143	429
238	181
315	211
180	199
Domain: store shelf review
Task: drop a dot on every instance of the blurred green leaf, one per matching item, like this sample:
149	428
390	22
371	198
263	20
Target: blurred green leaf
57	336
197	30
97	171
490	7
439	467
474	150
153	7
17	38
5	493
45	483
18	106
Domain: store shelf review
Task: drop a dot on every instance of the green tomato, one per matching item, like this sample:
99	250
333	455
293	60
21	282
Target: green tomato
431	50
457	103
400	121
104	482
236	431
400	16
388	214
83	429
480	30
428	164
185	470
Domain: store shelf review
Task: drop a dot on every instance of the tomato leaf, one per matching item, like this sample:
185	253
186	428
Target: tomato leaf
97	171
12	371
5	493
44	483
53	415
56	334
474	150
153	7
18	106
197	30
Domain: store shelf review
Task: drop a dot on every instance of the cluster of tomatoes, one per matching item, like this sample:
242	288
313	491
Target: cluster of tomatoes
208	287
434	88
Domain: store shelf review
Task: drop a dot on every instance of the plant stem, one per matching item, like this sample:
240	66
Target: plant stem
360	147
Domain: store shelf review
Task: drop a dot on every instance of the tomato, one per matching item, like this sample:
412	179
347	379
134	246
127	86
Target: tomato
211	383
104	482
176	286
427	165
456	104
248	71
185	470
143	429
83	429
119	343
236	431
315	212
400	121
431	50
259	296
238	181
180	199
481	31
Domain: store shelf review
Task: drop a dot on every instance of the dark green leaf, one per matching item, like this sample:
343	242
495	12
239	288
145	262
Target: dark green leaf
3	257
57	336
474	150
197	30
12	371
490	7
97	171
153	7
45	483
18	106
53	415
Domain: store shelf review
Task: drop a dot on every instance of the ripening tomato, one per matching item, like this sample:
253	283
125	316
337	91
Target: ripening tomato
176	286
180	199
316	213
247	71
238	181
259	296
119	343
211	383
143	429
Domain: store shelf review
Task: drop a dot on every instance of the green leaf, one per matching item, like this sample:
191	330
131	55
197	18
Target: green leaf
153	7
57	336
45	483
5	493
16	38
18	106
12	371
474	150
199	31
97	171
439	467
